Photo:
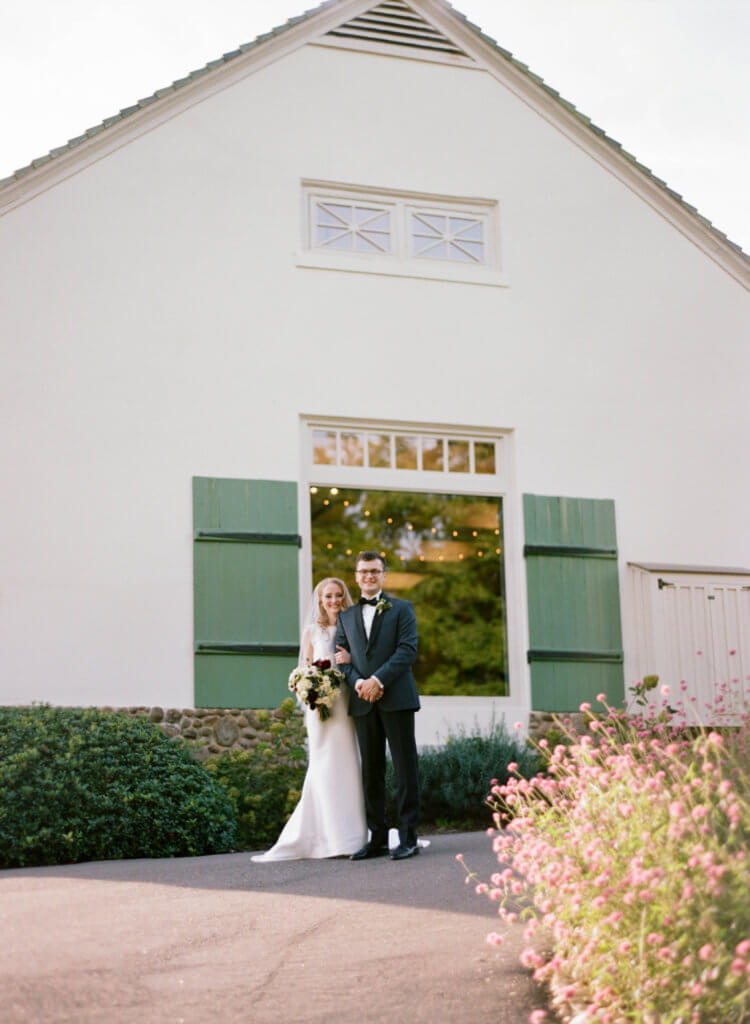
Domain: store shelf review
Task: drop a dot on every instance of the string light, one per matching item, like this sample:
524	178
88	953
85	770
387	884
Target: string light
329	546
455	533
334	490
460	557
409	526
346	504
497	532
497	551
382	554
326	501
434	529
479	553
442	558
348	551
313	490
421	558
367	511
389	520
473	533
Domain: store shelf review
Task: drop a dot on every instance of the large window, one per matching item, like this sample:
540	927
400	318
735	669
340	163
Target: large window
445	554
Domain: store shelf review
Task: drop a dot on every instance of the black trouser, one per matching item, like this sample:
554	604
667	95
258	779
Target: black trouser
372	731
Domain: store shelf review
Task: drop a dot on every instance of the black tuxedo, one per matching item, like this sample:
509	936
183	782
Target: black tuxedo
389	654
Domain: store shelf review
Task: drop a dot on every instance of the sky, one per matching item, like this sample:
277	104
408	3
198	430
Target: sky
668	79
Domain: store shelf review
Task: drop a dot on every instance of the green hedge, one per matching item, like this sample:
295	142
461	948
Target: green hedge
81	784
264	783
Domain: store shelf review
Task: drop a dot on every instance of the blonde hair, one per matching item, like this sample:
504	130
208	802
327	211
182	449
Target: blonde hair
346	602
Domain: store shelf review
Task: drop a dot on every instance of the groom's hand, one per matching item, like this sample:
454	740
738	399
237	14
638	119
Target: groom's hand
369	689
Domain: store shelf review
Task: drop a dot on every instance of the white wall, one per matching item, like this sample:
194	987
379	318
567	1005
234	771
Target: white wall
156	328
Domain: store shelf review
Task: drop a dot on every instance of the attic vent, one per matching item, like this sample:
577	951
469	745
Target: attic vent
395	23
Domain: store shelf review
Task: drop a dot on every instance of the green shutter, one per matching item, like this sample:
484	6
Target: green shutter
245	571
575	639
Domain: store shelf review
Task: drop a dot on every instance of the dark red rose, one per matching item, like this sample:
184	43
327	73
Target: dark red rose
323	664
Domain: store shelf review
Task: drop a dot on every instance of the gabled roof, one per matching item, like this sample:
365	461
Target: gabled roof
393	23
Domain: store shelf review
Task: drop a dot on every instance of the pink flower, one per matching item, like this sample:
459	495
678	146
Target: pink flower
665	691
459	856
518	725
697	988
585	707
623	947
537	1016
733	651
494	939
601	697
704	952
699	652
743	948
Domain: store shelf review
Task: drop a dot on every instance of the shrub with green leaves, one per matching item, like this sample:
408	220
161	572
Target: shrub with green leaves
81	784
264	783
456	777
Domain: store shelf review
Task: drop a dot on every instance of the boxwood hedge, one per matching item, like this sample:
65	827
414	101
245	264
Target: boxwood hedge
82	784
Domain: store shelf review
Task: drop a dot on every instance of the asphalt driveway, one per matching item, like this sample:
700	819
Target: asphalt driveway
222	939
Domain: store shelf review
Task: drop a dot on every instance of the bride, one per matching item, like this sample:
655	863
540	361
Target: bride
329	819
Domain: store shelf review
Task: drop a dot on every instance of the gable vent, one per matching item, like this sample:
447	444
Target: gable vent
396	24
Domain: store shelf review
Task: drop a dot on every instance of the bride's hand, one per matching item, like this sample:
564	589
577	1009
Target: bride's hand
342	656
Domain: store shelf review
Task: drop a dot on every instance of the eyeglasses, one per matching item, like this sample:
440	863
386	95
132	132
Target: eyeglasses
369	572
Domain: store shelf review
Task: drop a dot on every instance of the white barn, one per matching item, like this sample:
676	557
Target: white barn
373	255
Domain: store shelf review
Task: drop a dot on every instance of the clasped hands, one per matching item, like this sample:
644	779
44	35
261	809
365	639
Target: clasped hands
367	689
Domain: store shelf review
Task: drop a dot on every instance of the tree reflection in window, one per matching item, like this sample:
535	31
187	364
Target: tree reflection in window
444	553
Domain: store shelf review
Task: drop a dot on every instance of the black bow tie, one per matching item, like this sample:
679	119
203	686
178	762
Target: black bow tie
369	600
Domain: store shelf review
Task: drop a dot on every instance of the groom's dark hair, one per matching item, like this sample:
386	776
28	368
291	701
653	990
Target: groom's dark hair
369	556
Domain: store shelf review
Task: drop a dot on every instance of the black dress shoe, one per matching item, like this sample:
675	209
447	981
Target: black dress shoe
370	850
404	850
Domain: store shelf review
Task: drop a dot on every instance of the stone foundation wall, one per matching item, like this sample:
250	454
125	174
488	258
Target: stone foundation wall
211	731
541	722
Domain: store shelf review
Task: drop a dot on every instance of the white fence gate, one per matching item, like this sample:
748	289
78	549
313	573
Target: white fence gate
693	626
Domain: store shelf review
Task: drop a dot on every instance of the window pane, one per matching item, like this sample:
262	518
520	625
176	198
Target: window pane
406	452
444	554
471	251
466	229
458	456
333	237
324	447
484	456
379	450
352	450
432	453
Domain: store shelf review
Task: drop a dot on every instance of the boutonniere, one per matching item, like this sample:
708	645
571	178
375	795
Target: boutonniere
382	606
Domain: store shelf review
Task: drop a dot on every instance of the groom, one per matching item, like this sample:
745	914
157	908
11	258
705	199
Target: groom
380	632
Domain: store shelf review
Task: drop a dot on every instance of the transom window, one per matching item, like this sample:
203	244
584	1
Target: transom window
401	233
393	450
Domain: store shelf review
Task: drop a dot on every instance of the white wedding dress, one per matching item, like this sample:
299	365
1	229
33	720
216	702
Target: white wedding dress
329	820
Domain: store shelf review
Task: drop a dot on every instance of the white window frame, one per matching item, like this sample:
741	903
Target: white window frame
439	714
400	262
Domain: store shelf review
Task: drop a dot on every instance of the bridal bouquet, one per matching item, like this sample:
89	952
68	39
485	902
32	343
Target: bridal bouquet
317	686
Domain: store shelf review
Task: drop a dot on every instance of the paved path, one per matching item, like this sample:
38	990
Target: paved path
222	939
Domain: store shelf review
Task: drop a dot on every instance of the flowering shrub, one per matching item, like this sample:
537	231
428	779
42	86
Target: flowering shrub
633	847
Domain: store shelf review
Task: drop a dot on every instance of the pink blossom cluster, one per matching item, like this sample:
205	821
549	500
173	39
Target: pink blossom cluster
632	850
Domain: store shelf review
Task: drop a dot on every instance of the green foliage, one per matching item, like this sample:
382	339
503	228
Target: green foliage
81	784
264	783
432	543
455	779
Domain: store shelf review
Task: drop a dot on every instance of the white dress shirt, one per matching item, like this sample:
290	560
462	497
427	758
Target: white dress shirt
368	617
